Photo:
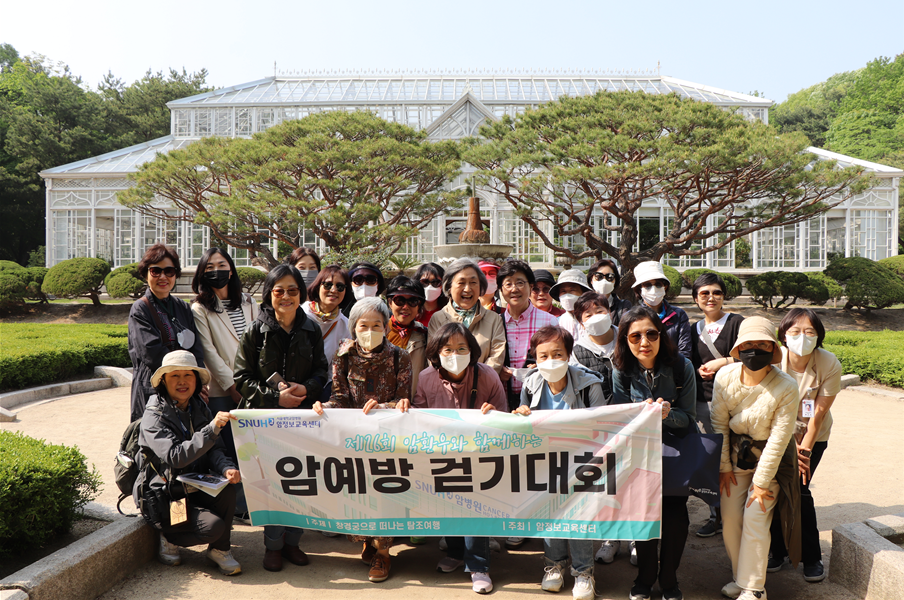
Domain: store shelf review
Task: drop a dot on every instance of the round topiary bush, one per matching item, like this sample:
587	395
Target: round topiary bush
77	277
788	286
12	288
5	265
675	282
834	290
43	488
895	263
733	285
125	282
251	278
866	283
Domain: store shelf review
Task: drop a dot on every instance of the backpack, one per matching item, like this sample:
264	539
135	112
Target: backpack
125	464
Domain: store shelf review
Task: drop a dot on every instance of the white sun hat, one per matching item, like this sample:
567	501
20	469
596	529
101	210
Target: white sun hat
650	270
179	360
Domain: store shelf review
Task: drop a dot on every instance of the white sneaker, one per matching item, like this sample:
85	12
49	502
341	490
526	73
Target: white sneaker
633	554
494	545
513	542
443	546
751	595
228	565
606	553
481	583
552	579
731	590
168	553
583	587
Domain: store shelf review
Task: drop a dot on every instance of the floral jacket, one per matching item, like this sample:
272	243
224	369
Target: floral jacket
383	375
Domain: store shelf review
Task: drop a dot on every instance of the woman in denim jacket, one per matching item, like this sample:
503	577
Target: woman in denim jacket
648	368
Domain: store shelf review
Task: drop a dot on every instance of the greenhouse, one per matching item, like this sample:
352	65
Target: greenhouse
85	219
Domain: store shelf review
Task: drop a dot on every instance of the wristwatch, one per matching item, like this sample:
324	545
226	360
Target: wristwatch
805	453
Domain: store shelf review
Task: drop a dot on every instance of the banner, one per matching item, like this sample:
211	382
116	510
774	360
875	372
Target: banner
589	473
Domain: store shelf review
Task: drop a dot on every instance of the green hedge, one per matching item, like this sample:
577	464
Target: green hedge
77	277
867	284
41	353
252	279
675	282
873	355
733	285
895	263
125	282
42	490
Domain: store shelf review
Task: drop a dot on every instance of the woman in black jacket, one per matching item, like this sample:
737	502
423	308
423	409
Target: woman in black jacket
283	341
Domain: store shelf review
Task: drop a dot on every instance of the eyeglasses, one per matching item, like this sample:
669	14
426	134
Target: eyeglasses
651	284
759	345
328	285
707	294
165	271
360	280
510	285
431	282
540	289
279	292
651	335
447	351
403	300
600	276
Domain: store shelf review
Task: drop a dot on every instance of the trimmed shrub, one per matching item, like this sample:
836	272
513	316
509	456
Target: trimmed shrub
836	292
12	288
35	277
252	279
77	277
41	353
8	264
349	256
128	283
675	282
733	285
43	488
873	355
895	263
867	284
765	287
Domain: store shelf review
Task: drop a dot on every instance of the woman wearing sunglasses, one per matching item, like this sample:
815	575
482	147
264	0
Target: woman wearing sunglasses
649	369
650	287
326	296
280	364
367	282
430	275
406	300
604	279
158	323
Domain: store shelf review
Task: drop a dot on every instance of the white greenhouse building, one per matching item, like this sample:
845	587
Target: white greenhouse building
85	219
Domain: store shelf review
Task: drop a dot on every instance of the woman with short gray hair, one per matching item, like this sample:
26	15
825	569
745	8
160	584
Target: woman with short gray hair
463	284
370	372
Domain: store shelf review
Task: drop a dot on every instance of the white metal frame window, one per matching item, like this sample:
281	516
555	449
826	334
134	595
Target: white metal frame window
870	233
71	234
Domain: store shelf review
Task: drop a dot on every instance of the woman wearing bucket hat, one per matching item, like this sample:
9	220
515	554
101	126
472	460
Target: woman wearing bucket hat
179	435
754	408
571	284
650	286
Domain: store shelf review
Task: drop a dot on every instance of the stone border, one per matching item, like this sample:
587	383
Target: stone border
867	563
13	399
88	567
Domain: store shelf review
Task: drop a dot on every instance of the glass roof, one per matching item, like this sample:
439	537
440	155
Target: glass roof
408	88
126	160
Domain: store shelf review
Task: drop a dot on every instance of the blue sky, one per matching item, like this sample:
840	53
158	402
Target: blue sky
774	47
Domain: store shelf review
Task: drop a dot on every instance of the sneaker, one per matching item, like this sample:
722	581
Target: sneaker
367	553
379	568
329	534
732	590
640	592
168	553
449	564
494	545
244	518
672	594
417	541
751	595
513	542
774	565
606	553
814	572
443	546
227	564
709	529
552	579
583	587
481	583
633	554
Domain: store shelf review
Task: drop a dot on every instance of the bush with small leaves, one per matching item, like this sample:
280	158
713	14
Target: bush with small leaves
787	286
77	277
12	289
832	287
732	284
125	282
867	284
675	282
35	276
895	263
252	279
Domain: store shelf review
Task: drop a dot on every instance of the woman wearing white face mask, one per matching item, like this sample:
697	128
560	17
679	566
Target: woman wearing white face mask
488	299
571	284
818	376
650	286
431	277
603	277
367	282
556	385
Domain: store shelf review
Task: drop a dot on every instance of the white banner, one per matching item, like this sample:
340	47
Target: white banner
589	473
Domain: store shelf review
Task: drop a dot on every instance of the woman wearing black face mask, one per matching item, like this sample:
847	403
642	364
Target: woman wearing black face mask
755	408
222	313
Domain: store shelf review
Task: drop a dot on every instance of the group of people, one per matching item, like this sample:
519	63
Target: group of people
488	337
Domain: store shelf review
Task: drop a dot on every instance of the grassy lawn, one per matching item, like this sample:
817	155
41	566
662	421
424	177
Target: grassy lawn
873	355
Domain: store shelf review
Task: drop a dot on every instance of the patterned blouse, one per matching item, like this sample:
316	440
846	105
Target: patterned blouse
359	376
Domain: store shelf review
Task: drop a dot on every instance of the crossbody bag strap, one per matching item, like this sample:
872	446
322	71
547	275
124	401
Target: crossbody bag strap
154	314
708	340
474	387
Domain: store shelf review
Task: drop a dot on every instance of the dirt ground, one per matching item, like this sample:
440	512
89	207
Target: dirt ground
833	318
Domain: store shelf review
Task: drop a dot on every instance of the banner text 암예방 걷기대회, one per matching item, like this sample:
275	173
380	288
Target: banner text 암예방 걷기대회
589	473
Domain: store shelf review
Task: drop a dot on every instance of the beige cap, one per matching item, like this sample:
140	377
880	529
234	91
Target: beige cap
757	329
179	360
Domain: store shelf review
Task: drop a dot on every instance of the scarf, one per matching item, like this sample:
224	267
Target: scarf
467	316
323	316
403	330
